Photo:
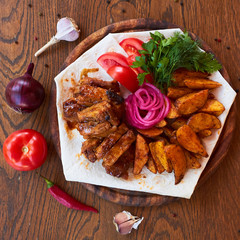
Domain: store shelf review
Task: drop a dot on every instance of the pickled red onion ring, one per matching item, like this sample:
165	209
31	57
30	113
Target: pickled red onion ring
146	107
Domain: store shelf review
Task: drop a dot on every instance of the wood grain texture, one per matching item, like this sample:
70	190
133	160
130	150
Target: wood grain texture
131	198
27	210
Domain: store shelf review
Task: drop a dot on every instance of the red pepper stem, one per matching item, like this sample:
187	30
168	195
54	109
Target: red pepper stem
49	183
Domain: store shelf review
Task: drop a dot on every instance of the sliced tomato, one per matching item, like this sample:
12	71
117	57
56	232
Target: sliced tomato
110	59
131	46
131	59
124	75
138	70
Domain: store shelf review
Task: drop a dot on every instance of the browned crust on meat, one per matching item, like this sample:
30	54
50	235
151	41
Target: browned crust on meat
119	148
110	85
109	141
88	148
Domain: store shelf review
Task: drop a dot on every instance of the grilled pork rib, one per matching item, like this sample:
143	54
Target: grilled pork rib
119	148
88	148
113	85
109	141
96	110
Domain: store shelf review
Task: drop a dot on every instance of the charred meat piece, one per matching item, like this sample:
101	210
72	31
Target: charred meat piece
118	109
99	112
113	96
120	168
119	148
88	148
90	94
112	117
113	85
70	109
84	103
100	130
87	125
86	93
109	141
106	133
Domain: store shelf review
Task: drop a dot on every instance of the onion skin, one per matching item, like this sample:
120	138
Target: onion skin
24	94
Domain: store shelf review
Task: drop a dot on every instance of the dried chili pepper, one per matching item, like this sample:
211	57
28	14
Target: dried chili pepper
65	199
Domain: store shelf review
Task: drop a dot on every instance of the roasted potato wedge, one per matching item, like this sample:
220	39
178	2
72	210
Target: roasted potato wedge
192	161
158	154
162	139
196	155
179	122
161	124
173	138
204	133
176	155
181	74
210	96
177	92
201	83
213	106
173	113
168	131
156	159
151	165
151	132
188	139
141	154
202	121
191	102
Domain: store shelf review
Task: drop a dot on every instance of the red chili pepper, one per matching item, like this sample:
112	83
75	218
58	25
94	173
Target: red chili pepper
65	199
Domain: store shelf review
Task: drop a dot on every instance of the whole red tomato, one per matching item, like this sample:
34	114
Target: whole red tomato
25	149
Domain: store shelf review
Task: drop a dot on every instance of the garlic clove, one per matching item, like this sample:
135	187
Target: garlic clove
126	227
67	30
125	221
122	217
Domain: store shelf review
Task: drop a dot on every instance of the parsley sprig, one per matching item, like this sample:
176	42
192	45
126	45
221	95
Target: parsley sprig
162	56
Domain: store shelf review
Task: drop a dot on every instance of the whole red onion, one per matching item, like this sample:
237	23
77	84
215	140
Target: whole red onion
24	94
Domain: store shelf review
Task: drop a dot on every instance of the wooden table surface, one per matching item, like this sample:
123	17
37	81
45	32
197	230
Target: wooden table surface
27	211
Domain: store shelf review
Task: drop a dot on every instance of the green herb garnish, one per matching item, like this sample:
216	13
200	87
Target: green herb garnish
162	56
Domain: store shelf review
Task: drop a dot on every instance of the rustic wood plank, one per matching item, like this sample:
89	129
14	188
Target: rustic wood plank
27	210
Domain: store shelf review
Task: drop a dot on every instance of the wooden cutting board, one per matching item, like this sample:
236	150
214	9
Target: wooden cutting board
131	198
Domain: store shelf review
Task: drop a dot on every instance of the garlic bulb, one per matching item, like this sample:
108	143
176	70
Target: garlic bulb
125	221
67	30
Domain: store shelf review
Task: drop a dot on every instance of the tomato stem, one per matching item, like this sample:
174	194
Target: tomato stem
25	149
